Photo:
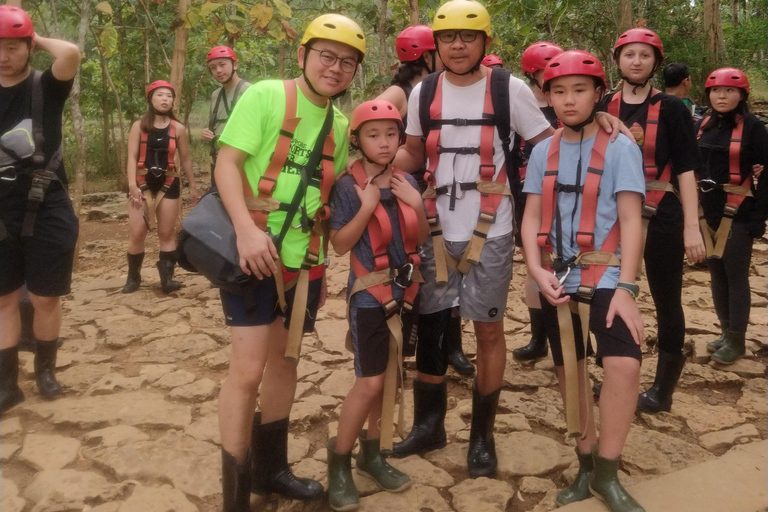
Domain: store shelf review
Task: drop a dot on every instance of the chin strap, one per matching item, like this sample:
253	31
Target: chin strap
580	126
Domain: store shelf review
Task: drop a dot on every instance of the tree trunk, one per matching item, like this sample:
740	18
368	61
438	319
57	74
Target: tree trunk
281	60
625	15
713	29
147	67
413	9
735	12
180	54
383	61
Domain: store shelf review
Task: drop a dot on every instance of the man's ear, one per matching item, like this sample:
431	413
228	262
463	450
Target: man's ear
488	41
301	53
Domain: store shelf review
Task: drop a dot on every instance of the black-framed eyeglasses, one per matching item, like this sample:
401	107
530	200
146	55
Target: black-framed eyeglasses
449	36
328	58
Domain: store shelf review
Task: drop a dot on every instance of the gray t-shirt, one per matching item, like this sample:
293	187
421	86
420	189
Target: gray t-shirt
344	206
623	172
226	105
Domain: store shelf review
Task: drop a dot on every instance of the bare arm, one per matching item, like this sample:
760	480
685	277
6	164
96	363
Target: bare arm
66	57
689	197
396	96
134	137
547	282
411	157
612	125
182	139
542	136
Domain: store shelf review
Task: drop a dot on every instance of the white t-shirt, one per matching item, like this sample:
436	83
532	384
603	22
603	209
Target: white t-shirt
467	103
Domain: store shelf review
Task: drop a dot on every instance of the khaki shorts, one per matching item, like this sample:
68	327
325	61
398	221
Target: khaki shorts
481	295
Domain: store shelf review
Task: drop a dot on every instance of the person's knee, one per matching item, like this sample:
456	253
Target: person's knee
9	303
489	334
45	305
370	387
625	366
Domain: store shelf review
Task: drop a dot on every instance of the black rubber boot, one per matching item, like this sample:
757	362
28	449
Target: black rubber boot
165	268
134	272
235	483
27	338
428	433
604	485
579	488
456	357
714	346
271	473
659	396
45	368
10	393
481	457
537	347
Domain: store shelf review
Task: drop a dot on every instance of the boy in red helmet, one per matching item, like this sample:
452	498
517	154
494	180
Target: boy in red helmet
222	63
38	227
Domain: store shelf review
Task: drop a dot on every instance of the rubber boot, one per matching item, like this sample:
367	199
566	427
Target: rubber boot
579	488
537	347
134	272
714	346
342	493
732	349
27	338
271	473
604	485
45	368
659	396
370	464
456	357
235	483
10	393
481	457
165	268
428	433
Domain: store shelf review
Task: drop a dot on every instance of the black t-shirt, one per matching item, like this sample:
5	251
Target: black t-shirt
15	105
675	145
714	145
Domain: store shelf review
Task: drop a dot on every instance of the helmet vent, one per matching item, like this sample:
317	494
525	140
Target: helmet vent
589	62
17	25
374	108
441	16
554	65
330	25
471	16
361	36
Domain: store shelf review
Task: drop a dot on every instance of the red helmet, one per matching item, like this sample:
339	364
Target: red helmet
221	52
639	35
492	60
727	77
374	110
413	42
536	56
15	23
574	62
158	85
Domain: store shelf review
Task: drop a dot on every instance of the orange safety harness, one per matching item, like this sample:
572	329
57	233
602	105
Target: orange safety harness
491	190
736	191
151	201
379	283
262	204
592	262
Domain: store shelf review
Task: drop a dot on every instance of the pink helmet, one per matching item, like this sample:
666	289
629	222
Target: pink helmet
221	52
536	56
374	110
158	84
492	60
727	77
574	62
639	35
15	23
413	42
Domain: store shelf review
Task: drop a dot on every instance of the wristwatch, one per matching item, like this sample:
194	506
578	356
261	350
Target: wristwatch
632	288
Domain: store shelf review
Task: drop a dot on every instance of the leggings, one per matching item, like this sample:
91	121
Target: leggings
730	280
664	253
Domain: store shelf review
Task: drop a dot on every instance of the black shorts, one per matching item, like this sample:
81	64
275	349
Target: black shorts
519	209
44	260
431	351
155	183
614	342
370	338
263	307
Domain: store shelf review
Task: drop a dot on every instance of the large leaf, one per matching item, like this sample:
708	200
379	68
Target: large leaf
215	35
289	30
108	40
207	8
232	28
261	15
283	8
104	7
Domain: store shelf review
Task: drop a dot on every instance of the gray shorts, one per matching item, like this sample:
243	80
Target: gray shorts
482	294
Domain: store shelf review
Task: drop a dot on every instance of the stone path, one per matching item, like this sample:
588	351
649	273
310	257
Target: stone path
137	429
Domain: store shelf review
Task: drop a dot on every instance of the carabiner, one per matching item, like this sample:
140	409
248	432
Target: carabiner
707	185
561	280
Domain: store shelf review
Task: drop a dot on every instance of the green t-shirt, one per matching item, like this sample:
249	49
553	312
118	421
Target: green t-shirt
254	127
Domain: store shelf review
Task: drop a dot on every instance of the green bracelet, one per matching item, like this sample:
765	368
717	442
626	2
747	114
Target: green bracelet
632	288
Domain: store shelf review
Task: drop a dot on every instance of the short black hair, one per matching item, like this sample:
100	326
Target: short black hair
675	73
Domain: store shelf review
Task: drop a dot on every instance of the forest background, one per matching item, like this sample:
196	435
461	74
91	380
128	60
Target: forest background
129	43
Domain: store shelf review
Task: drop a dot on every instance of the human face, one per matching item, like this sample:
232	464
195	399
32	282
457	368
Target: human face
222	69
573	98
460	55
636	61
327	80
725	99
162	99
14	57
379	140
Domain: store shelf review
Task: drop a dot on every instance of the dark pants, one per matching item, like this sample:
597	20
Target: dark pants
730	279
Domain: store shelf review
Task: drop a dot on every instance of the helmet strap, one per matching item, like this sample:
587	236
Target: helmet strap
580	126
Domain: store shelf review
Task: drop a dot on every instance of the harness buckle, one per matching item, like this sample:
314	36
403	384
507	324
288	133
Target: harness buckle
649	211
489	218
707	185
730	210
487	171
586	292
403	276
156	171
37	191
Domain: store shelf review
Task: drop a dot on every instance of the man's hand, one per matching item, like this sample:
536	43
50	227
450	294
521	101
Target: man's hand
612	125
207	134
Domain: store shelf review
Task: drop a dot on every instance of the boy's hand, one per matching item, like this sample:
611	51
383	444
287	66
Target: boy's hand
403	190
369	196
625	306
550	286
257	253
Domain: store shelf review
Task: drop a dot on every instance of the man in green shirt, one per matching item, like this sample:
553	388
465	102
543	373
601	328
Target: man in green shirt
263	153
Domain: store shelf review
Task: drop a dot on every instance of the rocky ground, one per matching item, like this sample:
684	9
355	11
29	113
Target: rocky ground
137	428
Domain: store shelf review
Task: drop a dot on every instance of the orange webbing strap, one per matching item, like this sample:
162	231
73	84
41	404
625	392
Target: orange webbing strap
549	192
151	201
